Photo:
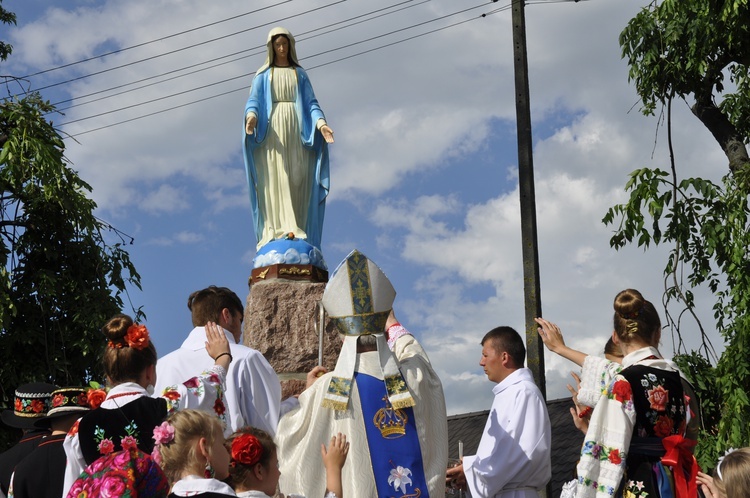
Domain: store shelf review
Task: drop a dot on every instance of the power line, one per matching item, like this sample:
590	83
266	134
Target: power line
155	113
183	48
301	37
152	100
310	68
118	51
244	75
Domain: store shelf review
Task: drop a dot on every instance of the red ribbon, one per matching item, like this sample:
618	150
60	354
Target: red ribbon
679	456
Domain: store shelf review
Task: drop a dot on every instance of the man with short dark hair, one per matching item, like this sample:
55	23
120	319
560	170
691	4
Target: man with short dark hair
218	305
253	392
513	457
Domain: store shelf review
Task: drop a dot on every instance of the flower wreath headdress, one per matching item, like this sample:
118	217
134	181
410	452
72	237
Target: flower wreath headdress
136	337
721	460
247	450
163	434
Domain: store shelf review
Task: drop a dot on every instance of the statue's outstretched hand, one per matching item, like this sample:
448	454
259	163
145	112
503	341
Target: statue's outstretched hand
327	133
250	123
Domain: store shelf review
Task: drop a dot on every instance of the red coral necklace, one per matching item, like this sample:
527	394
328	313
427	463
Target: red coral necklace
120	395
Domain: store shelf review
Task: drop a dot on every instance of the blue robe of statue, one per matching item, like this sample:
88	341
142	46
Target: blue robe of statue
308	113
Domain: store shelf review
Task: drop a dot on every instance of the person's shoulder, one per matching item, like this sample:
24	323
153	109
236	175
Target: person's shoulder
242	351
194	340
520	382
176	353
261	75
245	356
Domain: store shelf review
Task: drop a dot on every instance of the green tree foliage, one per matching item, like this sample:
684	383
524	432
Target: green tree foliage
6	18
63	272
686	49
61	278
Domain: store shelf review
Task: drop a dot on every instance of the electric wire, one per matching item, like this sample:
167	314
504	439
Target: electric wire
310	68
181	49
244	75
138	45
262	48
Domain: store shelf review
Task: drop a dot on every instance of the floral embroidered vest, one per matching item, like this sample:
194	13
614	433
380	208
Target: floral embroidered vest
103	431
658	400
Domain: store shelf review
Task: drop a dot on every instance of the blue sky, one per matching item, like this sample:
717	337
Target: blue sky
424	168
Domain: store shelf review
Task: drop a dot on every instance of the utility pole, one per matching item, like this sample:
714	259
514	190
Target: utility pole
531	287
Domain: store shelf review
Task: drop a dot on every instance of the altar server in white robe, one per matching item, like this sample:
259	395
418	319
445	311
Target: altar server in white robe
253	395
388	401
513	457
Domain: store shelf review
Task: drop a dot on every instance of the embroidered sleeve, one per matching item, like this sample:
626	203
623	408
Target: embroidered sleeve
604	450
204	392
394	332
596	376
75	463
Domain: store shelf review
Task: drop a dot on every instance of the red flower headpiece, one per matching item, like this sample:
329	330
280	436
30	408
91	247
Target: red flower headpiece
633	314
136	337
246	449
95	397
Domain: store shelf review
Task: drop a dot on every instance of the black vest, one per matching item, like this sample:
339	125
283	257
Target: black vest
101	431
10	458
42	473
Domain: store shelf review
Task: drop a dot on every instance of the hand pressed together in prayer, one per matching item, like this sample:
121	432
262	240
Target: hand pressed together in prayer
455	477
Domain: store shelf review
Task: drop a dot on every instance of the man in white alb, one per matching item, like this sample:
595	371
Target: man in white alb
253	392
513	457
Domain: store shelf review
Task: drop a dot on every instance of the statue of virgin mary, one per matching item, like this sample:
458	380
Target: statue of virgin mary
286	141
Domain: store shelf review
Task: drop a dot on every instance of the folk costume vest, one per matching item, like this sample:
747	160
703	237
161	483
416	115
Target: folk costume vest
103	431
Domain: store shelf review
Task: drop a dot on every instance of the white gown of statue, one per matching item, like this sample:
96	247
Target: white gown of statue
285	167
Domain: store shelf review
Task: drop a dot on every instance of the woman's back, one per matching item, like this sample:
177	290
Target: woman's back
660	412
103	431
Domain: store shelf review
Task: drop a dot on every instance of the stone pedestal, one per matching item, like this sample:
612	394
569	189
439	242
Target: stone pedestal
281	318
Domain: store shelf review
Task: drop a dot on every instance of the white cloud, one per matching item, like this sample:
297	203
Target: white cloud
188	237
406	119
166	199
183	238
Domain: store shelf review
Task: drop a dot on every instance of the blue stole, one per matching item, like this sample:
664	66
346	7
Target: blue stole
393	440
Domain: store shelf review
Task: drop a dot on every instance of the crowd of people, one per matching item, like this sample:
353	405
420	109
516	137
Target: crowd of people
208	420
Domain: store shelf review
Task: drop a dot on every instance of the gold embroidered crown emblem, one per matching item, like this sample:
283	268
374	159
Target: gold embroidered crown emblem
390	422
